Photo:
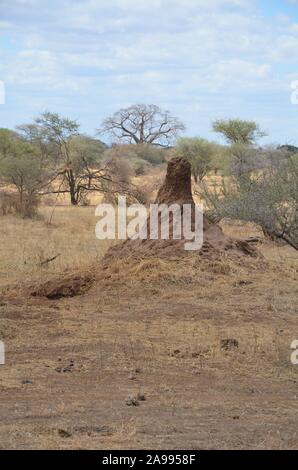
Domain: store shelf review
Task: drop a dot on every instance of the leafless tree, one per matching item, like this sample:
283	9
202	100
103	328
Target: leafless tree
143	124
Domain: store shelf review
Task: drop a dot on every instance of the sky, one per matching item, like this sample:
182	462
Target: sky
201	59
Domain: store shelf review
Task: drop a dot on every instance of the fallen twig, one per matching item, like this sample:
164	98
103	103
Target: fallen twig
254	240
49	260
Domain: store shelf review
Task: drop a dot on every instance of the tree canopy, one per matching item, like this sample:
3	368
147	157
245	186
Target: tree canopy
237	131
199	152
143	124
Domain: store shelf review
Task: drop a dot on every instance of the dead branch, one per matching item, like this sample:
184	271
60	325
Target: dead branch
49	260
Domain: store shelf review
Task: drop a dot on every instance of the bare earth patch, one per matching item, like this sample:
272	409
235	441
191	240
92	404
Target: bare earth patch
153	351
156	354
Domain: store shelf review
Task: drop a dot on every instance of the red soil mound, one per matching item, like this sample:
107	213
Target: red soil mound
70	286
176	189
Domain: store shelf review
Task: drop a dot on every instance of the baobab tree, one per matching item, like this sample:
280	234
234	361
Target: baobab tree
143	124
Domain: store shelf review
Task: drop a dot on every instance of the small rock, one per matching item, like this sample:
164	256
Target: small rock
68	368
27	382
242	282
63	433
195	354
102	429
229	343
132	401
177	353
141	397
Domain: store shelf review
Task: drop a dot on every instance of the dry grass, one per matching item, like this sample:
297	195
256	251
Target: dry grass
65	231
153	327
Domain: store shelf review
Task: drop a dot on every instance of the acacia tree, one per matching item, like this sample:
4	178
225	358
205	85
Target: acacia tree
73	158
21	166
237	131
8	139
269	197
57	131
38	136
242	136
143	124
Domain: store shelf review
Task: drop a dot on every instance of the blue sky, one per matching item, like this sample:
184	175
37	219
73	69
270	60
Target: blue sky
202	60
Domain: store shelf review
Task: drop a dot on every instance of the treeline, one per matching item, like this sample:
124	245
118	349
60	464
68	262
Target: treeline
52	156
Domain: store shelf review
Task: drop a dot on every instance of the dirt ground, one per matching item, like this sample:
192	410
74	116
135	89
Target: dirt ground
141	359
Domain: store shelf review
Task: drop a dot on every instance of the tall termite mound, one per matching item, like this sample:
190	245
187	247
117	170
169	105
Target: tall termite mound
176	189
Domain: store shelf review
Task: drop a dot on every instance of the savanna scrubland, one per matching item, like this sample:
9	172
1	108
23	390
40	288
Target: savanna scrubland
177	352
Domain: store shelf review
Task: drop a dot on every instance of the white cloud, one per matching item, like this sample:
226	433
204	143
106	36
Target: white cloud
294	28
184	55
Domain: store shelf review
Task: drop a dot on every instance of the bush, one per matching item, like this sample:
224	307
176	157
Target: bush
84	201
119	169
199	153
267	196
141	167
221	161
7	203
153	155
10	203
